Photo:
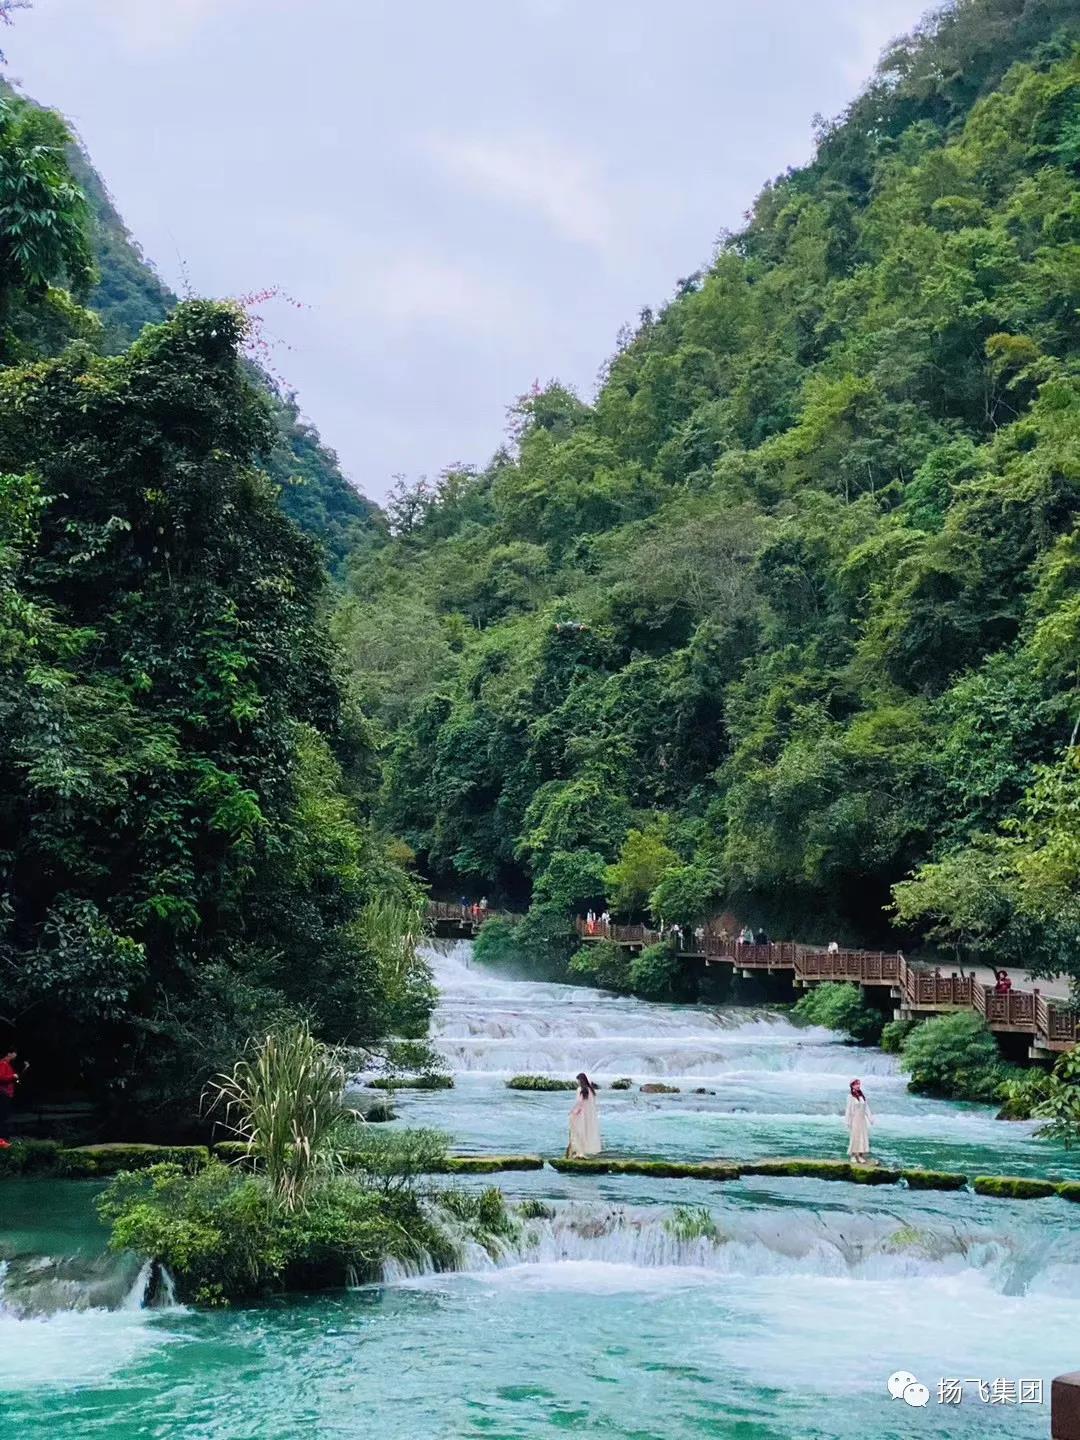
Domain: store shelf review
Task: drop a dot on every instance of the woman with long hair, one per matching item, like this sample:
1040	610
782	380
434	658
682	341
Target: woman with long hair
584	1121
858	1117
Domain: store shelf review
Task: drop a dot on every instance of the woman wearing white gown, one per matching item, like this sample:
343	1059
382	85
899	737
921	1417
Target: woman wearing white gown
584	1121
858	1117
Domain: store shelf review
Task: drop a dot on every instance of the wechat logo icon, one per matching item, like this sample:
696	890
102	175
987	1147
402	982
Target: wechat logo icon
903	1386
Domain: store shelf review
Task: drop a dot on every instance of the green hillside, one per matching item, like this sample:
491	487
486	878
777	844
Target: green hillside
791	612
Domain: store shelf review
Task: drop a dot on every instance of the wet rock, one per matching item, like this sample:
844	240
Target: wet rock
655	1088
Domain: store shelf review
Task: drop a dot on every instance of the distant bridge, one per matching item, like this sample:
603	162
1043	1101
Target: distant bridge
1051	1027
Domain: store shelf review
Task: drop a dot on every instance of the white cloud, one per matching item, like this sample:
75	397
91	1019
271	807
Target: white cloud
413	289
559	184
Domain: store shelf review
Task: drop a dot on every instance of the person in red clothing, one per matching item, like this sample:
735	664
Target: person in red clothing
9	1078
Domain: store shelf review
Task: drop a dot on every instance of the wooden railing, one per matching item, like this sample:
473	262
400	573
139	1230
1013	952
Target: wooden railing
468	915
1052	1026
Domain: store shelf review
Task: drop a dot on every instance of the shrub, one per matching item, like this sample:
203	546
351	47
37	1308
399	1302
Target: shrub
538	946
842	1007
894	1035
391	1160
1059	1105
539	1082
30	1157
623	1083
223	1233
603	963
485	1212
496	942
654	972
538	1210
1023	1093
412	1082
954	1056
688	1222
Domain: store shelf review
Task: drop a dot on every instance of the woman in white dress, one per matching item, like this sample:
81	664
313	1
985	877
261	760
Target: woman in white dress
584	1121
858	1117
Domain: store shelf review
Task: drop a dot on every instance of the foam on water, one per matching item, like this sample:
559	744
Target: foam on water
489	1026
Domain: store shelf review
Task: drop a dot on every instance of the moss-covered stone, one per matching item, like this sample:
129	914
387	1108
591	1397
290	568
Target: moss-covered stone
31	1157
489	1164
655	1088
539	1082
659	1169
1014	1187
824	1170
623	1083
1069	1190
100	1160
234	1151
933	1179
412	1082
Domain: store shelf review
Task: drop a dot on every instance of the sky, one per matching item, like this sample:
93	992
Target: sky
463	197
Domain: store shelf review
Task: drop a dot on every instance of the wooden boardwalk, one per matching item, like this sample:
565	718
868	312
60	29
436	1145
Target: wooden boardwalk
1050	1026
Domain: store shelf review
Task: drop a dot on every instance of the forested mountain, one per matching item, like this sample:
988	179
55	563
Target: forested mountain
791	612
128	294
186	850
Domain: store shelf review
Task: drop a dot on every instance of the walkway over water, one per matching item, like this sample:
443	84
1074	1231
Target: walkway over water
919	990
1051	1026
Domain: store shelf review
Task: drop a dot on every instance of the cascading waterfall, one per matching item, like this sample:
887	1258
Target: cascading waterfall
794	1242
35	1286
487	1025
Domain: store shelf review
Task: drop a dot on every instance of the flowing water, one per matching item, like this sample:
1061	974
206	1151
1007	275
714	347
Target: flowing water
632	1307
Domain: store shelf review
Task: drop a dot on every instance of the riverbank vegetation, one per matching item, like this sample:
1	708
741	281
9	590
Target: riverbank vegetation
784	618
844	1008
312	1198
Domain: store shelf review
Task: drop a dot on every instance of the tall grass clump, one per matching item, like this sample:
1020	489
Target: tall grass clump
285	1101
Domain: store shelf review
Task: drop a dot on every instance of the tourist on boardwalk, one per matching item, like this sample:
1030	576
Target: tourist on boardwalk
9	1078
761	938
858	1117
745	936
605	921
584	1122
1002	982
834	948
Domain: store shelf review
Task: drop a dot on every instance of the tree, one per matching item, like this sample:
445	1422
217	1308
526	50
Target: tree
43	217
186	854
643	861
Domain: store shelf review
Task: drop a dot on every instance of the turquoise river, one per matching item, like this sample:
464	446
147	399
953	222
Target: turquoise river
782	1317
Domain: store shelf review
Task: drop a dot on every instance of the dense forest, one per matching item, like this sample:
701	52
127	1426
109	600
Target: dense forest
188	854
787	619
